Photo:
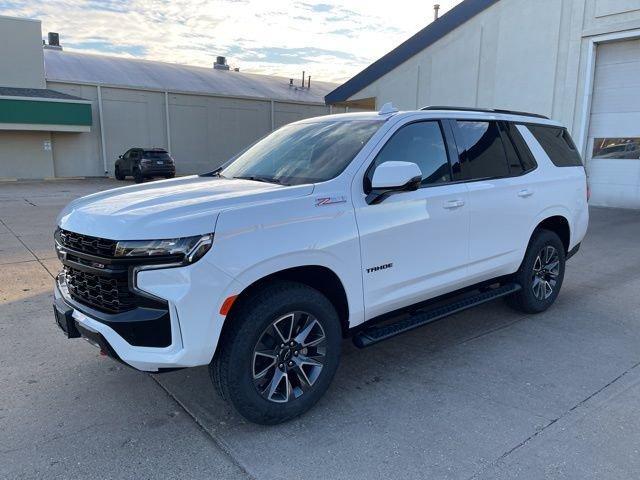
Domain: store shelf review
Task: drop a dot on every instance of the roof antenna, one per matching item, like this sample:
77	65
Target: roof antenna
387	109
436	10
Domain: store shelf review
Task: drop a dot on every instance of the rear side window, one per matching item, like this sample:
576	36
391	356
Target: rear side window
421	143
482	154
557	144
520	158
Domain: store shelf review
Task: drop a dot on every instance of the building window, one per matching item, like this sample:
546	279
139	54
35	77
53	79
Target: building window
617	148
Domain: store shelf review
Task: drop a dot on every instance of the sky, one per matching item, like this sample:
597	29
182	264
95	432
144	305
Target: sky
330	40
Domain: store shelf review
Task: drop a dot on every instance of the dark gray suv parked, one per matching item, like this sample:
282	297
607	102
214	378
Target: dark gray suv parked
143	163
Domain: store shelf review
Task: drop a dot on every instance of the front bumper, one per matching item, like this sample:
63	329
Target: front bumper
193	296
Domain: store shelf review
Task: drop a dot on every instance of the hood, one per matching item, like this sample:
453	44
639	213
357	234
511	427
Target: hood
174	208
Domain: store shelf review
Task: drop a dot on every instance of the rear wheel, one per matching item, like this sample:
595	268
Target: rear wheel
279	354
541	273
170	175
137	176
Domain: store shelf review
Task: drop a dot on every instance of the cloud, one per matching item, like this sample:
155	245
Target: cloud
294	56
345	32
138	51
318	7
332	40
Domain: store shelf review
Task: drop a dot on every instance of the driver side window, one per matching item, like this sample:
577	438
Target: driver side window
421	143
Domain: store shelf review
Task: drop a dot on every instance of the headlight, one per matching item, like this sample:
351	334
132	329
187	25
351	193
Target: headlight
190	248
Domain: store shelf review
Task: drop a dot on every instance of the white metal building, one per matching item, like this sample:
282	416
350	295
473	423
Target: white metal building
105	105
577	61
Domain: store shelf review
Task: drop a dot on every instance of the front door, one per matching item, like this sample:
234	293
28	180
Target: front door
414	245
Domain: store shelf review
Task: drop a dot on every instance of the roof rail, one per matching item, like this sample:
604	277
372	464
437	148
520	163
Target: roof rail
485	110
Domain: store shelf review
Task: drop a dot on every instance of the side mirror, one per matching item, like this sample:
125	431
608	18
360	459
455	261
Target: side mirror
393	177
119	156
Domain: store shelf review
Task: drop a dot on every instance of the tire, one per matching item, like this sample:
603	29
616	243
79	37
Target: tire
118	175
169	176
541	273
236	365
137	176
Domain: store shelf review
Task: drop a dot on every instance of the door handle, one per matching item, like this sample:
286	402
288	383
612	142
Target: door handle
525	193
451	204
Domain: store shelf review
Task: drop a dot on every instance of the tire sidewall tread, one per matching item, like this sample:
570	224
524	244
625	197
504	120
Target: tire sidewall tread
524	300
230	369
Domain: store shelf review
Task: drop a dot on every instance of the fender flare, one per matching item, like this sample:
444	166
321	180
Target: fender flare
553	211
305	258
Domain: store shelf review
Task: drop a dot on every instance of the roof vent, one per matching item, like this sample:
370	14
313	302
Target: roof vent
54	41
221	63
436	11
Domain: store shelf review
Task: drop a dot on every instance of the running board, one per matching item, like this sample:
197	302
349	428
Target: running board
421	317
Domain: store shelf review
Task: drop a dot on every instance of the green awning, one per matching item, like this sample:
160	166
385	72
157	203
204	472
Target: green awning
43	109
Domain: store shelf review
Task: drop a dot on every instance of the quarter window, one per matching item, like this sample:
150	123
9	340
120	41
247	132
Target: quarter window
557	144
420	143
482	153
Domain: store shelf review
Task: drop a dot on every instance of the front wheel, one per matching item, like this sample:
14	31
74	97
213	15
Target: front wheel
279	353
118	174
541	273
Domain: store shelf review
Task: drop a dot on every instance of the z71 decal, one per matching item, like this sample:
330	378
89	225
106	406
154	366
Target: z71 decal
322	201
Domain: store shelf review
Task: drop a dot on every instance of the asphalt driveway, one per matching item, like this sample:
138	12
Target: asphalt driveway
485	394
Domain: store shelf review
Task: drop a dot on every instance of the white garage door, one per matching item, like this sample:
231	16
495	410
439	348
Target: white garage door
614	132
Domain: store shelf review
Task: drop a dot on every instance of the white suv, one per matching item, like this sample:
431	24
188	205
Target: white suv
364	225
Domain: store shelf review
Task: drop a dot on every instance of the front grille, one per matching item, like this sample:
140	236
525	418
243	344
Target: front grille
95	278
87	244
107	294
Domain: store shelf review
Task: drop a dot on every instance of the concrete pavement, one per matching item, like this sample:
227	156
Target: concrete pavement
485	394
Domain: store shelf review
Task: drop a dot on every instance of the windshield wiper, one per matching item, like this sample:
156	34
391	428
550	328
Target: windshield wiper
260	178
215	173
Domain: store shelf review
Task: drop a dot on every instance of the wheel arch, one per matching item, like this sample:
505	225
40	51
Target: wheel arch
319	277
559	224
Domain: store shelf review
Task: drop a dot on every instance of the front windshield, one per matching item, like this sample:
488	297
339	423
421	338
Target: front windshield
303	152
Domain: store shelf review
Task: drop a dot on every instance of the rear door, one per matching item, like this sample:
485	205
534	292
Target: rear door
414	245
134	156
502	196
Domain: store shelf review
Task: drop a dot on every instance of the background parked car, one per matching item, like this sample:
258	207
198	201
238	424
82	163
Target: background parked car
143	163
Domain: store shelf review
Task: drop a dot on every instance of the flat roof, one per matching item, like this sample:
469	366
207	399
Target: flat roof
63	66
39	93
433	32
